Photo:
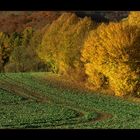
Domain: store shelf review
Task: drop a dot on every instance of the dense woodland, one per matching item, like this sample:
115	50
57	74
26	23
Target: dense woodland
103	55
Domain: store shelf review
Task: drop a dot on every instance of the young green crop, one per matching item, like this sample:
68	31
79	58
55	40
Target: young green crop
16	112
80	109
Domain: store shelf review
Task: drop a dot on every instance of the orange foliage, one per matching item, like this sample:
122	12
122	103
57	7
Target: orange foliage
113	50
17	23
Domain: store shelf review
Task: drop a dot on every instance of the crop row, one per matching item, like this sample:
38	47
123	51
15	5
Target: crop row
24	114
125	114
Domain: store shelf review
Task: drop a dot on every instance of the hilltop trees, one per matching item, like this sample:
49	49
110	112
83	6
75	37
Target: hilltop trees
18	22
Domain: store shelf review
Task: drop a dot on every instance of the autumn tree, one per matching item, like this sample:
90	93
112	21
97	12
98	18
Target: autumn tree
24	57
111	55
133	18
19	57
62	41
5	49
19	20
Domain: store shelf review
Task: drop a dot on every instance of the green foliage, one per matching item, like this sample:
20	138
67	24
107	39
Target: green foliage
24	57
5	49
26	36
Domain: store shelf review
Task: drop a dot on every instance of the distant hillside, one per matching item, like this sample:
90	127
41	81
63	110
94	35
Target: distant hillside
16	21
19	20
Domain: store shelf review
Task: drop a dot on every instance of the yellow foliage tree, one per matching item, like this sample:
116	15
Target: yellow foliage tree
62	43
134	18
113	51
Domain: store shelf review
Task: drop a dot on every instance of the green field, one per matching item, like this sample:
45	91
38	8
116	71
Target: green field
36	100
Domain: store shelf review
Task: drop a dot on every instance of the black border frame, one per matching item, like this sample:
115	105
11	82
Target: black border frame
30	5
70	133
70	5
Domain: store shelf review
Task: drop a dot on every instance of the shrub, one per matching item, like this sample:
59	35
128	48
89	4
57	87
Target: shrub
113	50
